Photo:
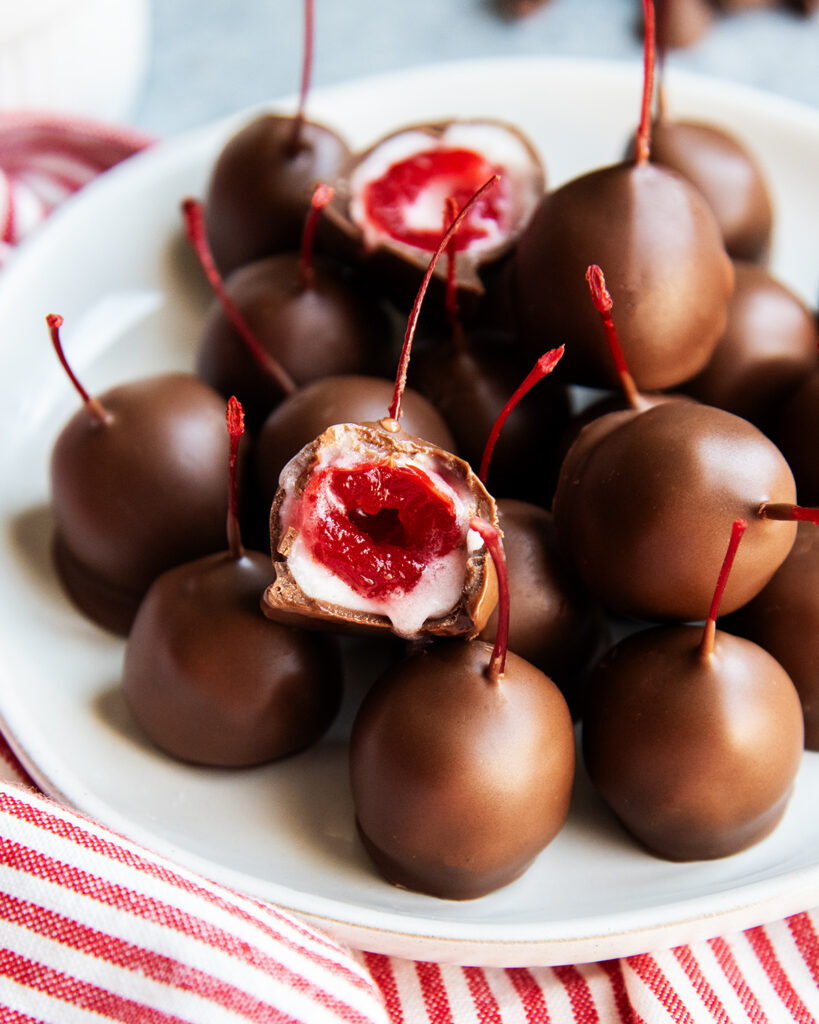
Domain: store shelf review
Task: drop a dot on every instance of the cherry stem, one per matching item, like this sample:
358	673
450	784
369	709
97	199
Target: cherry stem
785	512
707	644
55	322
394	411
235	417
542	368
494	545
306	72
649	58
195	229
322	194
452	311
603	304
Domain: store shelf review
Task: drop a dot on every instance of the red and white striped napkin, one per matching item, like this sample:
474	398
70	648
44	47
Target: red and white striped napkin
95	928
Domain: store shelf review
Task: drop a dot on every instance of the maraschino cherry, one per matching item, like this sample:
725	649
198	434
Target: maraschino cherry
137	482
461	763
693	736
207	677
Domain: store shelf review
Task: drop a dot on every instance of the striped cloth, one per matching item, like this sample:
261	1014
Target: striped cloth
95	928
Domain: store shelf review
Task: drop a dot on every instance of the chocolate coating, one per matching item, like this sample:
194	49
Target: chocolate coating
344	399
470	384
681	22
317	331
726	174
797	435
138	494
645	501
697	758
554	623
211	681
768	347
784	619
458	783
261	185
659	246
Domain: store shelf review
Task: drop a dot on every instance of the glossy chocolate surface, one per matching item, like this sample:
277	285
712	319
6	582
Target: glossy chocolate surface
140	493
797	434
343	399
660	249
212	681
554	623
261	185
696	757
458	783
726	174
784	619
470	384
645	501
325	329
768	348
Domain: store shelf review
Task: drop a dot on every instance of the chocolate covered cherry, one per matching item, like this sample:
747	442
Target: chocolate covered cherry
260	186
667	269
138	485
767	349
694	738
389	202
210	679
461	768
797	433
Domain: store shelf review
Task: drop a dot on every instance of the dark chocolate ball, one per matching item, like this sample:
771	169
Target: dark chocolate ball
645	501
784	619
142	492
326	328
697	757
768	347
554	622
261	186
212	681
659	246
798	430
726	174
469	384
459	782
322	403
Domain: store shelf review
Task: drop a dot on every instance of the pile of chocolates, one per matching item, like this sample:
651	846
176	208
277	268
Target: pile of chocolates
372	503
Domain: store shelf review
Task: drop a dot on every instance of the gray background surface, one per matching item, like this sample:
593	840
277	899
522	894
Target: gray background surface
210	58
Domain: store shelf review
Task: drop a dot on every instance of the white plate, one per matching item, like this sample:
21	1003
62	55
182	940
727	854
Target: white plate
112	263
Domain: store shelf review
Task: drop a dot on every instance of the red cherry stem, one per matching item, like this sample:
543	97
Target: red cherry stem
306	72
452	311
649	58
603	304
195	229
394	411
235	417
322	194
492	539
542	368
55	322
707	644
785	512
